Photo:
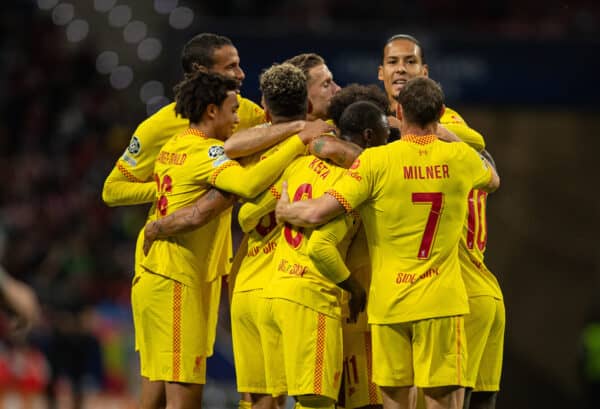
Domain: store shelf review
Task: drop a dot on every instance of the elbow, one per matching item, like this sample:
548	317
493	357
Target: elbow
107	196
313	249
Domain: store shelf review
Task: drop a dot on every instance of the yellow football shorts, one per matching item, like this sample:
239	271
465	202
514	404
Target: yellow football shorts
426	353
484	328
247	344
302	349
358	388
175	326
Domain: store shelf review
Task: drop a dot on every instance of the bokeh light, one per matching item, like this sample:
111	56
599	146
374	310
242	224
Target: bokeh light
121	77
151	89
119	16
106	62
77	30
156	103
181	18
63	13
164	6
149	49
104	5
46	4
134	32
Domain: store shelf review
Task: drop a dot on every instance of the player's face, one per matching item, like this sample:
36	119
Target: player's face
401	62
227	62
321	88
227	118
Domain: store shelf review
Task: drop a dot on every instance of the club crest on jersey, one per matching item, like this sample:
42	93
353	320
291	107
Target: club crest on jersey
134	145
215	151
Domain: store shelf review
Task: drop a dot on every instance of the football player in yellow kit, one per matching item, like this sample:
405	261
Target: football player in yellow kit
403	59
176	297
417	296
130	182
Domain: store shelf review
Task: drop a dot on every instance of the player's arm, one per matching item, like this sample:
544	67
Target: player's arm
20	298
121	189
340	152
253	211
485	176
453	122
248	141
307	213
323	251
188	218
248	182
255	139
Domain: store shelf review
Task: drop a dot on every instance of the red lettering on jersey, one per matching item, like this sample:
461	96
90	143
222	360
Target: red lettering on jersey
355	164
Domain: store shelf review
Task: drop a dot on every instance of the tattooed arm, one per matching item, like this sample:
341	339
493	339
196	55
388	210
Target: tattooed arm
340	152
188	218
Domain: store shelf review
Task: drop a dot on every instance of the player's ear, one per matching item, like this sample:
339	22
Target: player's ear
198	67
442	110
425	70
212	111
310	107
367	136
380	73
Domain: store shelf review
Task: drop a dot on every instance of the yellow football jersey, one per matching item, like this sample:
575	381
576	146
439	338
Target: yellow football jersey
137	162
455	123
413	195
186	167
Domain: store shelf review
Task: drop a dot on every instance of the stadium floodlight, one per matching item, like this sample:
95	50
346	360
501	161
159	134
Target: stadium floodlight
135	31
181	18
121	77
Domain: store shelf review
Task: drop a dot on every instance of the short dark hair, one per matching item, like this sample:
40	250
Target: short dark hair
359	116
409	38
305	62
200	50
200	89
284	89
422	100
353	93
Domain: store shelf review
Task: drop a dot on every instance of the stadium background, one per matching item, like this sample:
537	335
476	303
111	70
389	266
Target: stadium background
77	76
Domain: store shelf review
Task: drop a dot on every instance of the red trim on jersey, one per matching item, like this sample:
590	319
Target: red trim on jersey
419	139
320	359
194	131
341	199
176	331
228	164
130	176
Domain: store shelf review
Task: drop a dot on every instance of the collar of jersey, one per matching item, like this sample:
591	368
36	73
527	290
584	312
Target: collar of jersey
419	139
194	131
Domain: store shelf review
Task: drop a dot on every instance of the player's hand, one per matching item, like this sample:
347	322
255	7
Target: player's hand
394	122
150	233
282	204
358	297
313	129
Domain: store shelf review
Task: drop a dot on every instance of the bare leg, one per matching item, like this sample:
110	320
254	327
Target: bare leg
153	394
444	397
184	395
402	397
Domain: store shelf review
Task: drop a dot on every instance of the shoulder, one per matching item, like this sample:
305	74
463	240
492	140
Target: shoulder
451	116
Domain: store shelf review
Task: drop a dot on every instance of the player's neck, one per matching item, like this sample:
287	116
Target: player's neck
416	130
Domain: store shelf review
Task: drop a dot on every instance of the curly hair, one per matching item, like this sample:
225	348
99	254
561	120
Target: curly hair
198	90
353	93
283	87
200	50
422	100
305	62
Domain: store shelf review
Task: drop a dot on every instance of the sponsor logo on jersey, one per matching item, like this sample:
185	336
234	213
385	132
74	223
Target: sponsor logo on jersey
221	160
129	160
134	145
356	164
215	151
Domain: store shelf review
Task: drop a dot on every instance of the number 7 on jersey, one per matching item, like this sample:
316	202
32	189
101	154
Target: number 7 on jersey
436	200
